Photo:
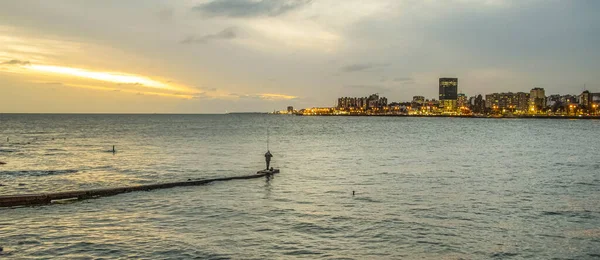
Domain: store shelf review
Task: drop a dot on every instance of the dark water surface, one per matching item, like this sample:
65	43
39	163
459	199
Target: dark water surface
426	188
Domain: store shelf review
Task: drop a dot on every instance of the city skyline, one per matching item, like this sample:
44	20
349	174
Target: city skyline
213	56
451	102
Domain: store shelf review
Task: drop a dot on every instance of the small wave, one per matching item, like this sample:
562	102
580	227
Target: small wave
35	132
503	255
428	242
302	252
551	213
7	151
311	228
586	184
340	218
367	199
55	150
37	173
574	214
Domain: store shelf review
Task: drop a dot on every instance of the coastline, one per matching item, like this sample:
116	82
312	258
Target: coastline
463	116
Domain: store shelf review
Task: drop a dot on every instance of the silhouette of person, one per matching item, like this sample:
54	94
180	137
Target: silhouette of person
268	156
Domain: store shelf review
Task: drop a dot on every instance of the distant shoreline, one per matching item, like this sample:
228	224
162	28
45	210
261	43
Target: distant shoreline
467	116
322	115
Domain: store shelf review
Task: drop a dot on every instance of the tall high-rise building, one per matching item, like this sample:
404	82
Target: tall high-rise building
448	88
585	99
449	93
537	100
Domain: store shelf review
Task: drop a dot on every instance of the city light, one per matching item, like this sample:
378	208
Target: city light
534	103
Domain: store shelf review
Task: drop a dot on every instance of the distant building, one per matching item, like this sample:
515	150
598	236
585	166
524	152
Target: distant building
537	100
477	104
448	89
522	101
290	109
585	99
352	103
492	101
553	100
595	97
569	99
418	99
507	102
462	101
361	103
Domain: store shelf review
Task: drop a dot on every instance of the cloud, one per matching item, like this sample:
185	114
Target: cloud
363	67
269	96
132	91
53	83
226	34
16	62
264	96
165	14
249	8
404	79
366	89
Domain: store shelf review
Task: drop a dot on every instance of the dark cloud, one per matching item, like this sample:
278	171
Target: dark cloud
226	34
249	8
363	67
16	62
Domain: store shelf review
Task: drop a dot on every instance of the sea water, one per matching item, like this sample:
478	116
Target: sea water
425	188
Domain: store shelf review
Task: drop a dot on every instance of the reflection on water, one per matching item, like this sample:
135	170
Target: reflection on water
426	188
268	188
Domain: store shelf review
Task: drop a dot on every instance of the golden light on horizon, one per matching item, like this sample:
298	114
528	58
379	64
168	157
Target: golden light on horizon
148	93
114	77
119	81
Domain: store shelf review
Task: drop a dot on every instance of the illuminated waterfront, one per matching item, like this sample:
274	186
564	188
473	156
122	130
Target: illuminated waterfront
534	104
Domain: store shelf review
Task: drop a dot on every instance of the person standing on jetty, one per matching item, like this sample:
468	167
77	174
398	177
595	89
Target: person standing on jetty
268	156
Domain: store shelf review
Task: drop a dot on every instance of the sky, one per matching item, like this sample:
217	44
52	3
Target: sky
217	56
